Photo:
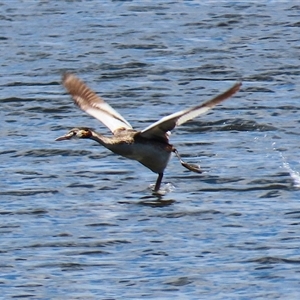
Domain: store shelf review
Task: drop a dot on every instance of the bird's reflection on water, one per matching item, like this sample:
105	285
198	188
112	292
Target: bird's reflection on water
155	201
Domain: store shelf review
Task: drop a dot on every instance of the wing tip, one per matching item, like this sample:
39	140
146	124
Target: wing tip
236	87
67	77
230	92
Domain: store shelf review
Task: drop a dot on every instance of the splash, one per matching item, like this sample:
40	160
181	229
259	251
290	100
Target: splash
164	189
295	175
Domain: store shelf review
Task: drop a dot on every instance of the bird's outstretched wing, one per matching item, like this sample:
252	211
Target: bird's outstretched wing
160	128
92	104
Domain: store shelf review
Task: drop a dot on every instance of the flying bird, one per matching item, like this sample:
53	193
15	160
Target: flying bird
149	146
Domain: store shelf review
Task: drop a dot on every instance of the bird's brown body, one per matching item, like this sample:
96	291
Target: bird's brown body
150	146
152	154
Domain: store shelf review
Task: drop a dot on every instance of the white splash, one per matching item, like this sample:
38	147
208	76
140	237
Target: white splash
294	174
164	189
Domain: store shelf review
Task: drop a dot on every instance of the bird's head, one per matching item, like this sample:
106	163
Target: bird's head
80	133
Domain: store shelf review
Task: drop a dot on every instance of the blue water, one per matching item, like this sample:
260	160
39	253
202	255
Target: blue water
78	222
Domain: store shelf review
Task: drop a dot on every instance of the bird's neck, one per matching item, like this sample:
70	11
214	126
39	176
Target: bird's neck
105	141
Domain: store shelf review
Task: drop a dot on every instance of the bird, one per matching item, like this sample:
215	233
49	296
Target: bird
149	146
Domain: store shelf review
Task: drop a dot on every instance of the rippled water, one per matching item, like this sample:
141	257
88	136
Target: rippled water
78	222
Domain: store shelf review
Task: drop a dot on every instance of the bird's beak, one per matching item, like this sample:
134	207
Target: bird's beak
64	137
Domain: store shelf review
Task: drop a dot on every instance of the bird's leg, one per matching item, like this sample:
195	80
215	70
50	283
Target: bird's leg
158	182
190	167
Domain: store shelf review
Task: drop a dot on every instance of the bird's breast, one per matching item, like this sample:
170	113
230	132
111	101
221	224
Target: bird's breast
152	154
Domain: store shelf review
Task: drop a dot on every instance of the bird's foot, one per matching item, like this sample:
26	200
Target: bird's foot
191	167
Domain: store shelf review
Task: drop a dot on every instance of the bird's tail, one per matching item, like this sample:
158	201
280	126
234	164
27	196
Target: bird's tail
191	167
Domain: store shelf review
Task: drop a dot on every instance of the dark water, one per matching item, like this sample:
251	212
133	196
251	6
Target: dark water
77	222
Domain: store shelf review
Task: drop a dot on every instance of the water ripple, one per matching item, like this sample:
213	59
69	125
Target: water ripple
77	220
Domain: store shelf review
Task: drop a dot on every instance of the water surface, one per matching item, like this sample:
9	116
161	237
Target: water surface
77	221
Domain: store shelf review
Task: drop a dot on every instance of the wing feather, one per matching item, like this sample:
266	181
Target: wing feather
160	128
92	104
